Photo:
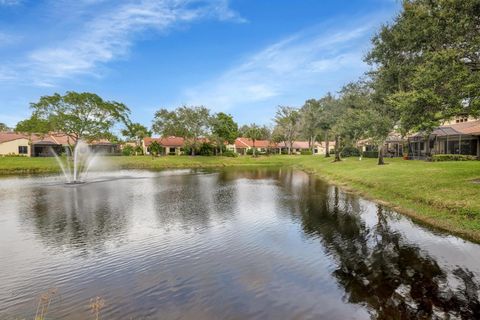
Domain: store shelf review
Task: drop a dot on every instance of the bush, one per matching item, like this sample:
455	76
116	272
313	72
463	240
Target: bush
350	152
128	150
452	157
306	152
370	154
229	153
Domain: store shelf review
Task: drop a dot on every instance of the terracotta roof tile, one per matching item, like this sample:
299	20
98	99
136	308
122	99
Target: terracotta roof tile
165	141
248	143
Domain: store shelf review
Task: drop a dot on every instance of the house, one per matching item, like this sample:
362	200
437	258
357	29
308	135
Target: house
393	147
35	145
171	145
242	145
322	147
301	146
461	137
12	143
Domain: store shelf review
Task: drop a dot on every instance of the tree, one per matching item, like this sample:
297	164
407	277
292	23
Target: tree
77	115
190	123
254	132
380	127
224	128
34	125
310	121
427	62
327	118
278	136
3	127
136	132
155	148
288	119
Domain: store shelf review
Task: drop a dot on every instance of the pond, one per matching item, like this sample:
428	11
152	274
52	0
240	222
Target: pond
228	244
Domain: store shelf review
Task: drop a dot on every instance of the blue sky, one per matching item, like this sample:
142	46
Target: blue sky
244	57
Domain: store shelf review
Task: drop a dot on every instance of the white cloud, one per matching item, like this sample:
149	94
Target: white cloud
110	34
285	67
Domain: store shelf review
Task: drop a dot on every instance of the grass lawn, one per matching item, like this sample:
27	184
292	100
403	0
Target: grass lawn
442	194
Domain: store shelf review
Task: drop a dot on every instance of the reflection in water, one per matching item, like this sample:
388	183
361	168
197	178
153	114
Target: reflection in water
230	244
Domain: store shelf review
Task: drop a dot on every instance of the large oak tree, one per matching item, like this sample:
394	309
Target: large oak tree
427	62
77	115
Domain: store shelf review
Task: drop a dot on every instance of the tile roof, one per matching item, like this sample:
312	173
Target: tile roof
165	141
10	136
248	143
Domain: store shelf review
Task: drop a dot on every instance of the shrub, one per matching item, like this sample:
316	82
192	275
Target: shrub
350	152
229	153
452	157
306	152
128	150
370	154
206	149
138	150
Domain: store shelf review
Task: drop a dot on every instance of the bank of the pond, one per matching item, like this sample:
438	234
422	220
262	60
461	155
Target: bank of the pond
442	194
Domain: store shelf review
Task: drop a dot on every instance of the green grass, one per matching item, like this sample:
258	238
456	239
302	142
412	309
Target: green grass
441	194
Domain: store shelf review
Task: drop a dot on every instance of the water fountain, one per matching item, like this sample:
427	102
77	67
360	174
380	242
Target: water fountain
78	163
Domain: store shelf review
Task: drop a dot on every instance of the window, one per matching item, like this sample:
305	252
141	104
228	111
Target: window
22	149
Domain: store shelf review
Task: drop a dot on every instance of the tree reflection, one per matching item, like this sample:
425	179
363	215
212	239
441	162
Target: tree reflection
83	218
376	266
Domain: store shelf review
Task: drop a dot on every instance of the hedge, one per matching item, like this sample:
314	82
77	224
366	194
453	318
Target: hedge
452	157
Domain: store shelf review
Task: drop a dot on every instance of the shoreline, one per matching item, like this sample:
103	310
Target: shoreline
442	203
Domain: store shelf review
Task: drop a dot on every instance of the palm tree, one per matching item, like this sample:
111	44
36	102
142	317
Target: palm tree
254	132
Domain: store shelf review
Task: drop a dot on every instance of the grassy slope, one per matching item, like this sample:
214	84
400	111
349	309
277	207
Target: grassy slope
441	194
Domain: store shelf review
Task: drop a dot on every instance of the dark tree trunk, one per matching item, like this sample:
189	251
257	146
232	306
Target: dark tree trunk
327	145
337	149
380	156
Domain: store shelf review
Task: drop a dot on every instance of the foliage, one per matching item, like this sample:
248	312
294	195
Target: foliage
306	152
452	157
350	152
136	132
206	149
3	127
370	154
128	150
78	115
427	62
255	132
34	125
310	116
155	148
224	127
190	123
288	119
361	117
230	154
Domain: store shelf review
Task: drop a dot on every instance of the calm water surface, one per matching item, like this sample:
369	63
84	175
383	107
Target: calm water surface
253	244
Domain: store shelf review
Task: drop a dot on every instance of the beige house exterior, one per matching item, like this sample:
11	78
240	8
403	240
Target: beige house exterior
171	145
34	145
19	146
